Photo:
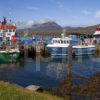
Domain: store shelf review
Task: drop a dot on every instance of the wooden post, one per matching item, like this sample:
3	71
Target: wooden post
69	60
69	70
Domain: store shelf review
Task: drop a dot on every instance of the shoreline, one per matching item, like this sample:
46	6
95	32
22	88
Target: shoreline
64	91
15	92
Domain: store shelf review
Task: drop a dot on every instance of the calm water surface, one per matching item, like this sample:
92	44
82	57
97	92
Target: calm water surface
48	72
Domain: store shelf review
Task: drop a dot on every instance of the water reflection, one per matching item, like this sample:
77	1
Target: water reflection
57	70
47	72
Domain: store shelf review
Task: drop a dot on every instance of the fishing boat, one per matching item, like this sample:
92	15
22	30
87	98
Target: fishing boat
9	50
59	46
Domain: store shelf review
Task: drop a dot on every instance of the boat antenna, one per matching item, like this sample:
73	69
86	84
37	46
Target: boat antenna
63	33
4	20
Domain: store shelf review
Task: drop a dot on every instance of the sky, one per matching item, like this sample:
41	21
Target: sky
64	12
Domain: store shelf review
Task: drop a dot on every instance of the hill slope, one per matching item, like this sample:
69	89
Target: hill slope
53	27
84	30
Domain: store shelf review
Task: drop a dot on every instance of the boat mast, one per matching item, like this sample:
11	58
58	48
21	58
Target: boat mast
63	32
4	32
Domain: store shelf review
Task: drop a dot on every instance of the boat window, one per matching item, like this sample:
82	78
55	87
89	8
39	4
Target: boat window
54	41
61	41
14	30
8	34
10	30
65	42
7	30
58	41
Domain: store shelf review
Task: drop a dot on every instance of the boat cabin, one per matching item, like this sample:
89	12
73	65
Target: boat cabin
71	39
10	30
59	41
97	35
7	32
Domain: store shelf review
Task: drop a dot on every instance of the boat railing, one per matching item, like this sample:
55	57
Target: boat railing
87	41
9	48
59	42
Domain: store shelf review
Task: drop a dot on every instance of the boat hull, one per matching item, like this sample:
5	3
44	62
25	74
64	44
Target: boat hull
9	57
76	50
57	50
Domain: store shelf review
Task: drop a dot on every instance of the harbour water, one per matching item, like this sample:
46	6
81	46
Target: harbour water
48	72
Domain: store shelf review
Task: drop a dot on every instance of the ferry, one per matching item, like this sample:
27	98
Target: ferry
59	46
9	50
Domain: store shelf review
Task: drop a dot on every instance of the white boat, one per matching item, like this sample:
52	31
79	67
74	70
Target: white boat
97	35
84	49
59	46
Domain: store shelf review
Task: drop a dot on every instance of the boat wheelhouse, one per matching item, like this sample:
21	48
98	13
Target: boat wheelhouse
8	29
97	35
9	50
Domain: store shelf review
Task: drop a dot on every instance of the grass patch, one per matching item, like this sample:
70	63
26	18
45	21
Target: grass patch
13	92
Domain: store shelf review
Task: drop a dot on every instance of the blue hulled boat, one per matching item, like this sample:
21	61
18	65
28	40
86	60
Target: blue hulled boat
59	46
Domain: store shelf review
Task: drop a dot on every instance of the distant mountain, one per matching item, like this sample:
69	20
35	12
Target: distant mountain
53	27
85	30
49	26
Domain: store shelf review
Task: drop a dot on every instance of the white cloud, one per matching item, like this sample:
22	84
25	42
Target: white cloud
24	24
29	23
44	21
97	14
86	12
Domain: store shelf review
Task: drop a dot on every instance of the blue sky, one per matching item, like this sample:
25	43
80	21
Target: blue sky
64	12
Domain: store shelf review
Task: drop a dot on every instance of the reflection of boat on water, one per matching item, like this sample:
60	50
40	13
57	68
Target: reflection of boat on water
59	46
9	50
56	70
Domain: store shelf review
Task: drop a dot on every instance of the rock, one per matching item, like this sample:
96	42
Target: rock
34	88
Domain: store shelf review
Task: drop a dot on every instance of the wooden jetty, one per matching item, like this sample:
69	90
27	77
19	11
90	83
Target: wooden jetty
30	51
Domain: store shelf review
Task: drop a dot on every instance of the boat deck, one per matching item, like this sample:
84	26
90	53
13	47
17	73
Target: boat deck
9	51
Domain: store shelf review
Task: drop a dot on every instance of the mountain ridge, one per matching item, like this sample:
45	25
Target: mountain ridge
52	27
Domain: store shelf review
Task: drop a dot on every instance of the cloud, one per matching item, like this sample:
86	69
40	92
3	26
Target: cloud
86	12
24	24
32	8
29	23
41	21
97	14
